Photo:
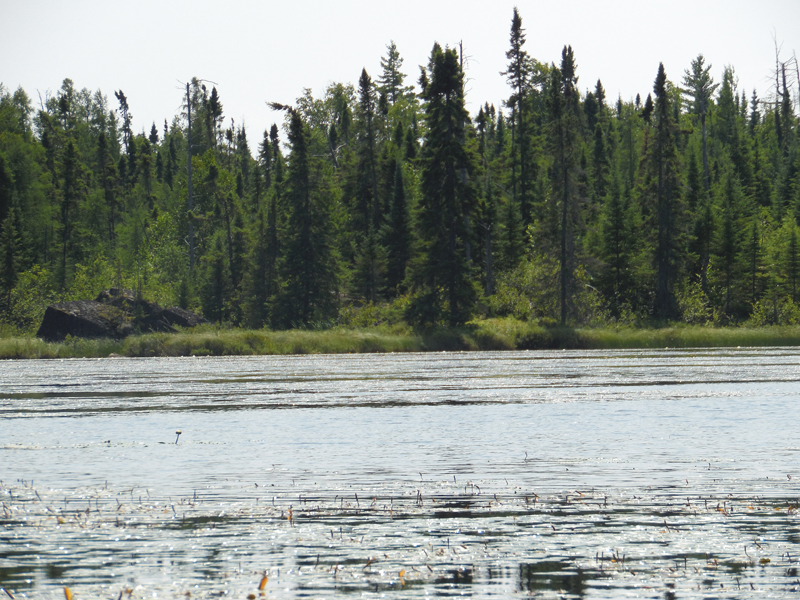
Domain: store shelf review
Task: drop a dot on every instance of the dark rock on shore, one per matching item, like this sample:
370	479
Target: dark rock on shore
115	313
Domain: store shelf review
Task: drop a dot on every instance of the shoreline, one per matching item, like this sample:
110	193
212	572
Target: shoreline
484	335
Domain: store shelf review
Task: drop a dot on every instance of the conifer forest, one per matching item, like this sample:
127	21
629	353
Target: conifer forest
386	201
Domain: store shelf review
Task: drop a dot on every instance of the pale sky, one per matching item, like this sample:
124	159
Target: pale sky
264	51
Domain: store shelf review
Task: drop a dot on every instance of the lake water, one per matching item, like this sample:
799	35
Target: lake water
604	474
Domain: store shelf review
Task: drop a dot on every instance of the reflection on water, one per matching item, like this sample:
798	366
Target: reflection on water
558	474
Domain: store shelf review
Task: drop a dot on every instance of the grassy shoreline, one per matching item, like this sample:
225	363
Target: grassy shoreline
491	334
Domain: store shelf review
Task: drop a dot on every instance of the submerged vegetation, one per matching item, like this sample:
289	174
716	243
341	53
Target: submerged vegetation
557	206
700	543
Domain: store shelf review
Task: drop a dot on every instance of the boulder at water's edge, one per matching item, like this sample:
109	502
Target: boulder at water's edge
115	313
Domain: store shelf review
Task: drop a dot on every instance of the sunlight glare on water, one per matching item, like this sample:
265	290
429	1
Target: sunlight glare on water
562	473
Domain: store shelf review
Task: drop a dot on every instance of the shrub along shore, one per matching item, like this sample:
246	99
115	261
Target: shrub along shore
489	334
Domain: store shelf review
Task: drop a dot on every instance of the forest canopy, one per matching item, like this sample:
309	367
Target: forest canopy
389	202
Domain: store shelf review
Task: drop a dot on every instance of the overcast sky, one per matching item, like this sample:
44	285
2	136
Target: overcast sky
270	51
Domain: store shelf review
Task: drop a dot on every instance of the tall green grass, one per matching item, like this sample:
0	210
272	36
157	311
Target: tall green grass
240	342
690	337
29	347
488	334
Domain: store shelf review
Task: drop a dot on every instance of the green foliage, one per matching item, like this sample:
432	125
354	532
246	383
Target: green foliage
29	299
772	310
527	292
695	306
441	276
308	268
395	207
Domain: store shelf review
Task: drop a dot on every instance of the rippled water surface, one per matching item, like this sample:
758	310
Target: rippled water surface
656	474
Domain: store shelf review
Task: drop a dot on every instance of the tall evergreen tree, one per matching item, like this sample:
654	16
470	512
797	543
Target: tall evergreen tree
441	276
391	79
214	118
108	181
564	146
397	235
368	203
10	251
127	134
308	268
730	243
702	226
792	263
665	193
72	191
215	283
617	247
256	284
518	74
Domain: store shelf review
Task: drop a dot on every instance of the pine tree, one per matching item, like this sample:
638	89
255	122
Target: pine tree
215	286
10	250
725	121
792	263
368	203
590	110
397	235
108	181
666	195
391	79
153	137
753	250
616	251
518	74
172	163
729	244
265	158
441	276
370	267
702	226
127	135
755	115
487	223
600	161
257	284
72	190
564	146
308	268
6	187
214	118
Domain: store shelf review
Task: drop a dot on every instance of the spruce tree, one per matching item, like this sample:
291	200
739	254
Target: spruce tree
215	287
370	267
256	284
753	250
564	146
441	274
729	243
308	267
6	187
153	137
518	75
702	222
397	235
665	194
391	79
10	250
72	191
108	181
791	262
265	158
368	203
617	248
